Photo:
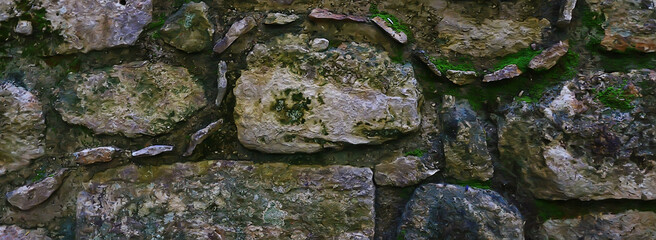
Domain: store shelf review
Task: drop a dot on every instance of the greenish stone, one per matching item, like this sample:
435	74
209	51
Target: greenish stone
189	29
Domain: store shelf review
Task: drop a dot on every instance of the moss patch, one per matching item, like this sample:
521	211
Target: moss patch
616	97
443	65
394	22
521	59
417	153
291	107
475	184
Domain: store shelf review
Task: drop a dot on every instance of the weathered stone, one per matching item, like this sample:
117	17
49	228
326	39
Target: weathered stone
96	155
237	29
23	27
629	25
465	145
221	82
88	25
319	44
280	18
421	54
566	13
439	211
201	135
491	38
293	99
402	171
461	77
228	200
28	196
569	145
189	29
138	98
152	151
13	232
323	14
8	9
507	72
628	225
22	127
383	24
548	58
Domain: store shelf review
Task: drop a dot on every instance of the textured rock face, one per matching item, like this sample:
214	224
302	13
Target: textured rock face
189	29
566	12
201	135
89	25
629	24
22	127
403	171
138	98
292	99
23	27
152	151
549	57
228	200
438	211
491	38
323	14
628	225
461	77
465	145
27	197
383	24
12	232
506	72
237	29
572	146
280	18
96	155
8	9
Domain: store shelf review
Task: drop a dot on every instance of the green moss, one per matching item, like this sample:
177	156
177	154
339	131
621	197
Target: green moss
443	65
548	210
521	59
593	21
396	24
291	114
417	153
616	97
39	175
475	184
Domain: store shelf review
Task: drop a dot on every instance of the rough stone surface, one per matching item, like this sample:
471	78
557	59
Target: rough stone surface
27	197
189	29
383	24
631	225
96	155
228	200
152	151
319	44
461	77
438	211
133	99
280	18
13	232
465	145
323	14
569	145
221	82
23	27
201	135
549	57
506	72
292	99
491	38
89	25
8	9
629	24
237	29
22	127
402	171
421	54
566	13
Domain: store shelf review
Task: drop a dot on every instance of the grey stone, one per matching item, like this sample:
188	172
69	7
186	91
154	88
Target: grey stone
88	25
228	200
133	99
29	196
566	13
507	72
13	232
9	10
629	225
221	83
323	14
443	211
152	151
237	29
465	144
22	128
319	44
189	29
96	155
354	95
201	135
461	77
569	145
548	58
629	24
384	24
24	27
402	171
280	18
